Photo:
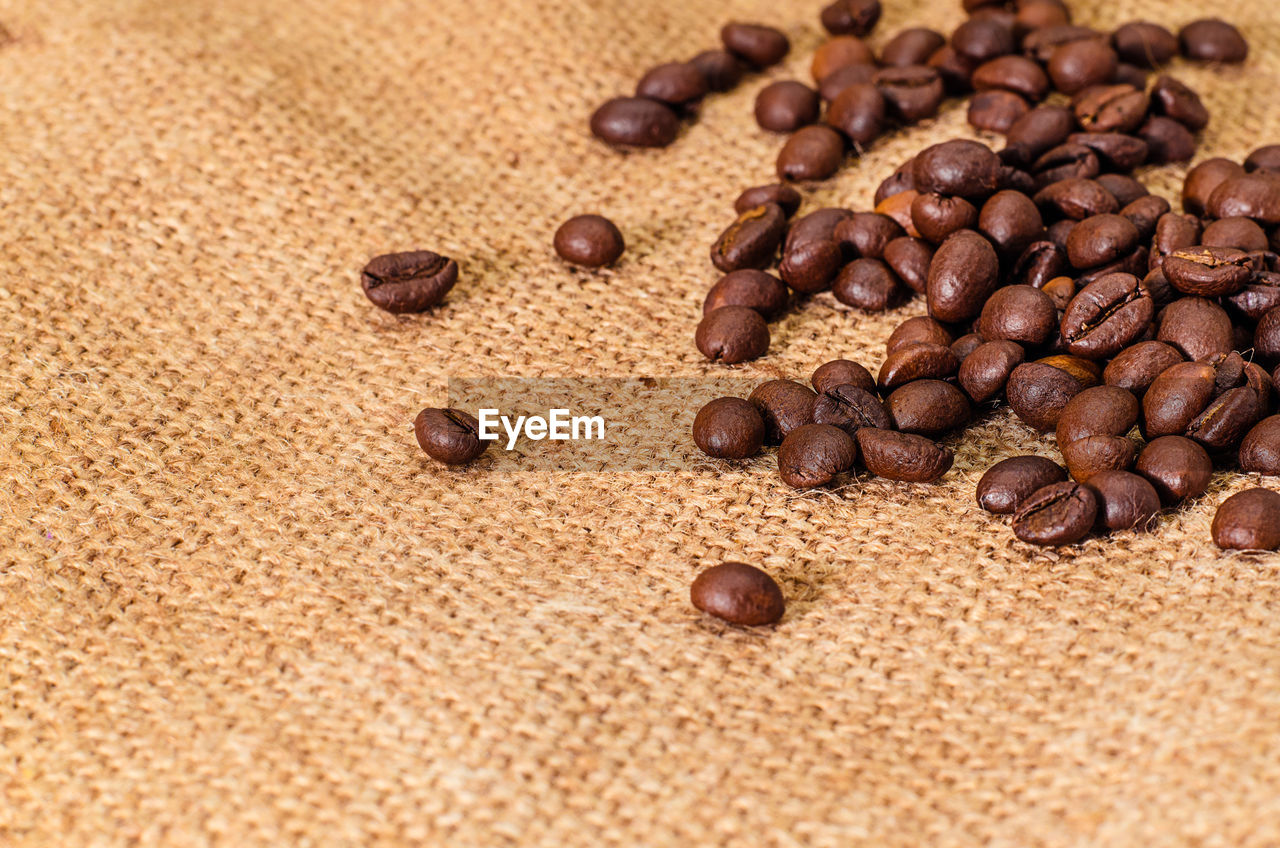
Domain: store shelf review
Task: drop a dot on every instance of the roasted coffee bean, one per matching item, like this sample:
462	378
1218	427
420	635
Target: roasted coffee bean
955	70
818	225
1136	368
902	179
917	361
1260	450
1225	421
985	371
928	408
1011	221
1213	40
1208	271
811	266
1145	44
1203	179
981	40
408	282
868	284
850	408
920	328
996	111
1144	213
591	241
1197	327
1266	338
1041	43
786	106
1177	397
1041	129
1167	141
959	167
1061	291
1041	262
1107	316
898	207
813	454
674	83
784	405
1126	501
1156	285
814	153
910	258
868	233
1255	195
753	289
1018	313
966	345
759	46
732	334
838	80
1127	74
842	372
752	240
1008	483
720	69
1079	64
842	51
1092	454
1248	521
912	93
787	198
635	122
450	436
858	112
1111	108
1176	467
964	273
1116	152
1058	232
1086	372
1097	411
1265	158
1239	233
1038	392
911	46
1259	297
903	456
1076	199
1037	14
1016	74
1175	100
851	17
729	428
1066	161
739	594
1015	179
937	216
1101	239
1058	514
1174	232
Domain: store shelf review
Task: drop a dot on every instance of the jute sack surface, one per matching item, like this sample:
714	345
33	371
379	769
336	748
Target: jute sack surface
239	607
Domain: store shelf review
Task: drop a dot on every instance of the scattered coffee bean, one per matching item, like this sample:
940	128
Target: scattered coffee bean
868	284
936	216
1019	313
996	111
591	241
812	455
739	594
1145	44
1126	501
748	287
729	428
1177	467
1076	65
784	405
910	258
912	93
1058	514
851	17
1135	368
1008	483
850	408
980	40
1177	397
1178	101
859	112
786	106
1213	40
917	361
1167	141
1143	212
674	83
867	233
408	282
1255	195
732	334
841	51
928	408
1098	411
920	328
964	346
1101	239
786	198
960	168
813	153
842	372
1111	108
1239	233
635	122
720	69
903	456
1197	327
1201	182
1092	454
1016	74
1248	521
450	436
1012	223
759	46
752	240
1266	338
911	46
1260	450
1038	392
837	81
1208	271
984	373
1106	316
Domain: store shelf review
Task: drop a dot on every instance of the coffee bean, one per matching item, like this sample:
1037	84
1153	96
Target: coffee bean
1079	64
1111	108
674	83
1144	213
1213	40
1134	263
1076	199
928	407
1225	421
1239	233
966	345
720	69
784	405
1127	190
851	17
1167	141
1265	158
809	267
1175	232
1041	44
1092	454
911	46
955	70
1038	392
747	287
1177	397
732	334
838	80
1176	100
858	112
985	371
408	282
1016	74
591	241
1260	450
1266	338
981	40
1107	316
964	273
758	46
917	361
937	216
910	258
635	122
996	111
868	233
912	93
752	240
1116	152
729	428
1255	195
920	328
1018	313
1126	501
868	284
1058	514
1145	44
850	408
1041	262
1131	75
786	197
1061	291
814	153
812	455
1086	372
903	456
1041	129
1257	378
1097	411
739	594
1176	467
1157	286
1101	239
1248	521
1009	483
842	372
898	207
818	225
959	167
1136	368
1208	271
1203	179
450	436
1037	14
1066	161
786	106
902	179
1197	327
842	51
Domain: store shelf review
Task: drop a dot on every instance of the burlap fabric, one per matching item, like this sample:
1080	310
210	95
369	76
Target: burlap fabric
239	607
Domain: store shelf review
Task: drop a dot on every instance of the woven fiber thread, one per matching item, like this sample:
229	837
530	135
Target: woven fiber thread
238	606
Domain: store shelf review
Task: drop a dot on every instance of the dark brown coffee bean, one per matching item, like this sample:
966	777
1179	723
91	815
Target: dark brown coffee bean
996	111
842	372
1111	108
1079	64
1176	467
1175	232
1101	239
954	70
1265	158
1037	14
1018	313
787	198
1076	199
1009	483
937	216
910	259
859	112
1136	368
964	273
959	167
786	106
1041	129
752	240
1058	514
674	83
851	17
1145	44
759	46
902	179
1097	411
408	282
1016	179
1041	43
841	51
591	241
917	361
720	69
1177	397
739	594
814	153
1266	338
985	371
965	345
983	39
818	225
1167	141
1208	271
1058	232
732	334
1225	421
1011	221
635	122
920	328
1255	195
1239	233
1144	213
753	289
911	46
928	407
1213	40
838	80
1038	392
729	428
1248	521
1117	152
1092	454
450	436
912	93
1041	262
1197	327
1175	100
1107	316
1016	74
1260	450
810	267
812	455
784	405
1126	501
1203	179
1156	285
850	408
868	233
1132	75
903	456
868	284
1066	161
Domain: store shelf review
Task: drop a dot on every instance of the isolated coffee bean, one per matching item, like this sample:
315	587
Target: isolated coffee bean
759	46
720	69
1208	271
739	594
1175	100
996	111
867	233
1144	213
928	408
408	282
842	51
1016	74
1097	411
786	106
450	436
784	405
752	240
937	216
1076	199
1058	514
915	330
1266	338
911	46
1101	239
1197	327
1176	467
1248	521
1018	313
813	455
903	456
1038	392
1167	140
1213	40
838	80
674	83
842	372
729	428
964	273
1079	64
814	153
868	284
1135	368
985	371
912	93
1239	233
1126	501
635	122
850	408
786	197
1255	195
1145	44
859	112
1008	483
754	289
1041	129
1260	450
1111	108
810	266
851	17
959	167
591	241
917	361
1202	179
1107	316
910	258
